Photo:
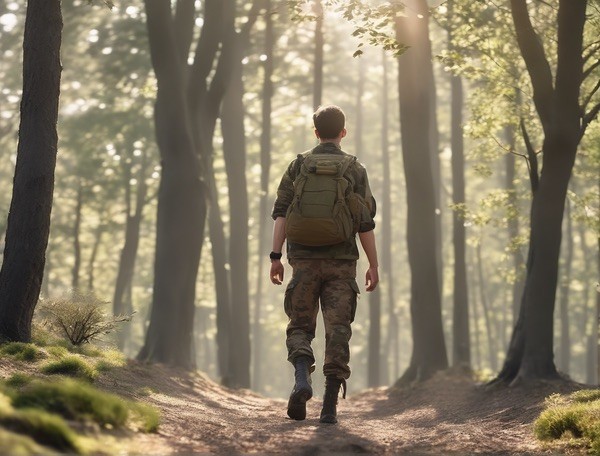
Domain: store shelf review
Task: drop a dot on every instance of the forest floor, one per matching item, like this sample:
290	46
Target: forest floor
448	414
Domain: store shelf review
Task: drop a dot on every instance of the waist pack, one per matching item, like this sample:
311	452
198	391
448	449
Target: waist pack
319	214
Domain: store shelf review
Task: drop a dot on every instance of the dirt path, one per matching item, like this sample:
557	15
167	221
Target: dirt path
446	415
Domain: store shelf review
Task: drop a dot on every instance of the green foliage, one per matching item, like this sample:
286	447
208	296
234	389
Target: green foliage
576	417
372	25
73	366
80	318
21	351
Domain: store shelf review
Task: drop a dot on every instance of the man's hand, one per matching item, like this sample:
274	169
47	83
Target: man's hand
276	272
372	278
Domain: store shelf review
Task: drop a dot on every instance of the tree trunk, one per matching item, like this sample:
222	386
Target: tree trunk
92	263
318	63
28	223
181	201
460	323
265	166
564	358
492	350
234	150
386	223
513	221
76	241
531	353
429	350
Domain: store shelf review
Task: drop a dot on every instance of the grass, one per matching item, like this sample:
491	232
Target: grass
38	425
82	402
21	351
19	445
575	417
73	366
73	400
35	412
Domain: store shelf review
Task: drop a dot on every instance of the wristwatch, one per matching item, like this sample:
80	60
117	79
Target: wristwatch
275	256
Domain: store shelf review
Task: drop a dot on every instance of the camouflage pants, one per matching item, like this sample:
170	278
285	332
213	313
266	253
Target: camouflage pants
333	282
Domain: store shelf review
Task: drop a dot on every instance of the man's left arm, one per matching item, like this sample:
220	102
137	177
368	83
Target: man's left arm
367	240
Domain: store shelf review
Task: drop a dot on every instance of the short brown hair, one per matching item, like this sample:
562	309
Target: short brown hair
329	121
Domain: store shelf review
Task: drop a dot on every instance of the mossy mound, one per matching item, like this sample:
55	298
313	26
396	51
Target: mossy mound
73	366
575	417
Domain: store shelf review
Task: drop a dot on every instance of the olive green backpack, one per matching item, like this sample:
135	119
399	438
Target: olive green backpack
319	214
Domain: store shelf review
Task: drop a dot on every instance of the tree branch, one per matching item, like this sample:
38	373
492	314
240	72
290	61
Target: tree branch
591	95
185	18
537	64
592	67
590	117
532	161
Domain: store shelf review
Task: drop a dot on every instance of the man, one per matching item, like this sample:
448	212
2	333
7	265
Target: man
323	272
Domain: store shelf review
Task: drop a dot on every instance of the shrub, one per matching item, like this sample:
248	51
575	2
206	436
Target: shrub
80	318
21	351
73	366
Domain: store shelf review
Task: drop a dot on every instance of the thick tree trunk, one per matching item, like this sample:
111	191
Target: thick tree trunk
28	223
531	353
234	149
181	202
429	350
265	167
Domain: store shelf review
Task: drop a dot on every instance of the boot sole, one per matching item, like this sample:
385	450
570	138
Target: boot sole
297	404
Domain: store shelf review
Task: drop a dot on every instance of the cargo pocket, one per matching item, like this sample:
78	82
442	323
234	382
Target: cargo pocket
287	301
356	291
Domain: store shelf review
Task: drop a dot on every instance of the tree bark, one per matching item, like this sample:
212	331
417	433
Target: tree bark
513	221
492	350
28	223
181	200
386	223
429	350
128	256
531	352
318	63
564	358
460	322
234	150
76	241
265	167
